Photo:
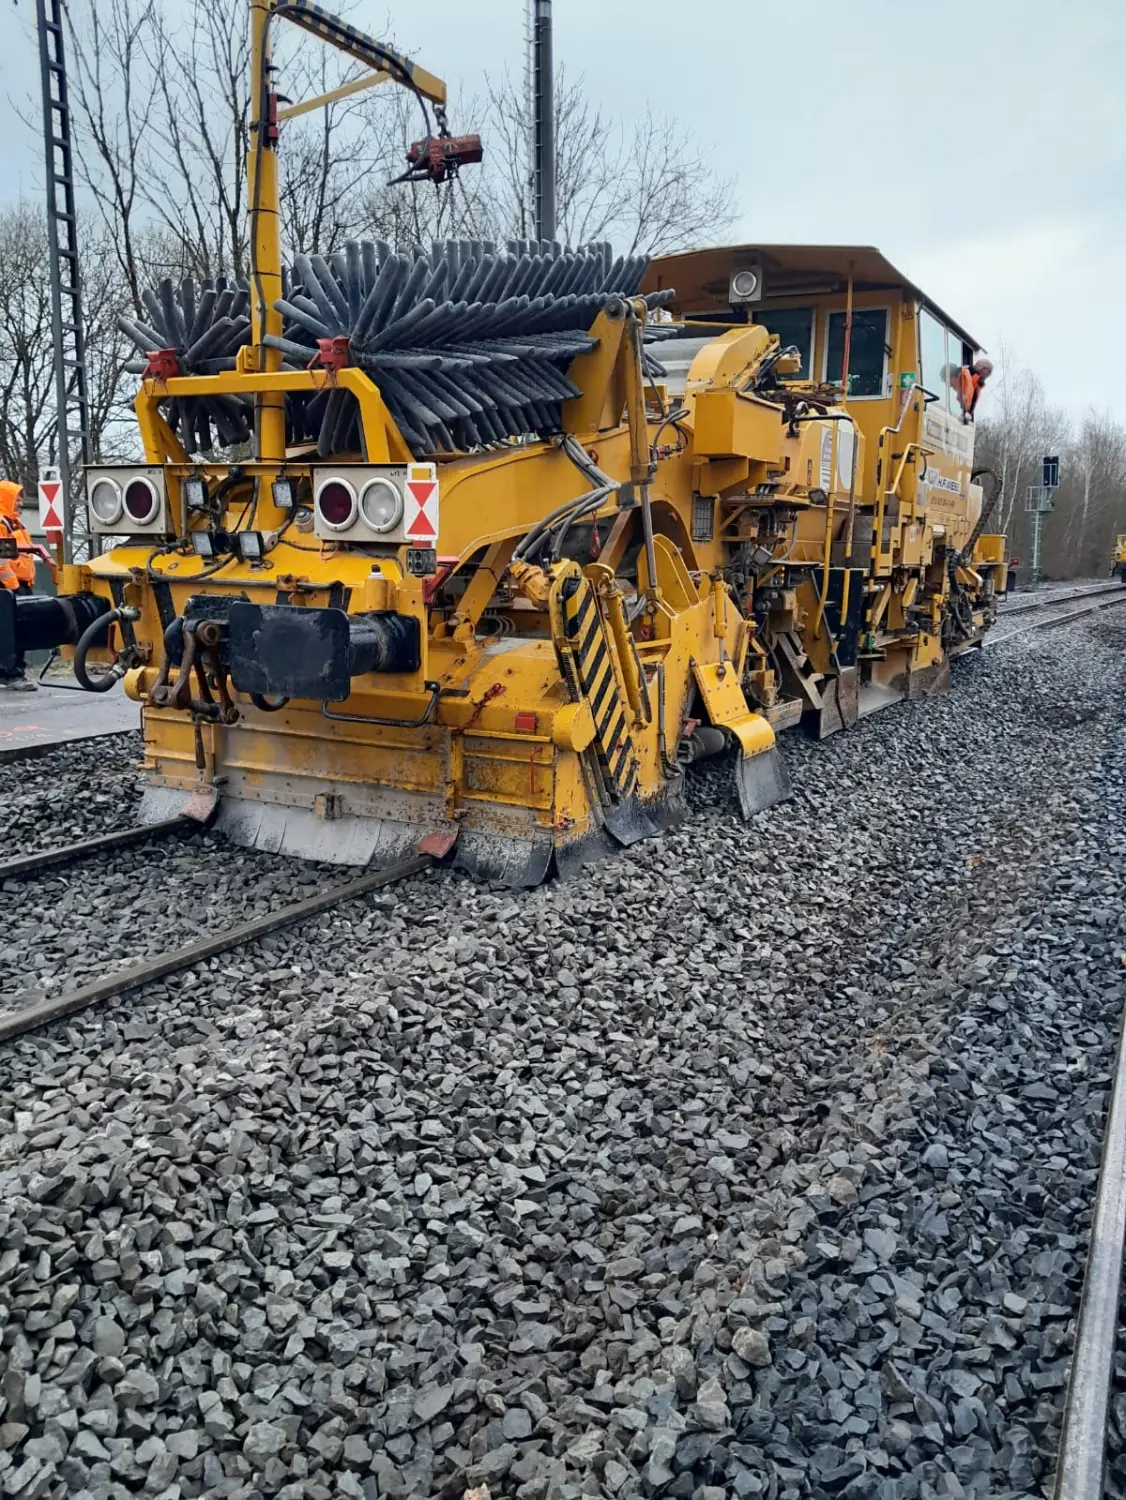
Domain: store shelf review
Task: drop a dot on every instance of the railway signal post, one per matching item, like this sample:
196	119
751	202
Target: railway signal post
1039	502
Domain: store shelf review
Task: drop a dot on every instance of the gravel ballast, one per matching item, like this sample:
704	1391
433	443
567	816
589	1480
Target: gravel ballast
758	1162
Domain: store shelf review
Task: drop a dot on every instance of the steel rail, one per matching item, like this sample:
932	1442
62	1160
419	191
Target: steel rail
1079	1470
120	838
1064	618
1022	603
9	754
41	1009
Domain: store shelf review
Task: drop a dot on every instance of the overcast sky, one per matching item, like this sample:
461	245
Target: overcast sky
981	144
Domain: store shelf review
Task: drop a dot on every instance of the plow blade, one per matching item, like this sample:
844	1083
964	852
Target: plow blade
375	843
761	781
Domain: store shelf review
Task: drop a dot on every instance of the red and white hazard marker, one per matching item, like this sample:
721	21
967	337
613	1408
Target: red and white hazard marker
51	505
422	503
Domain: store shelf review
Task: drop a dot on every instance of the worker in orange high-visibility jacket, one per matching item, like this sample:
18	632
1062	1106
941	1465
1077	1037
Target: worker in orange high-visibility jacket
16	573
971	382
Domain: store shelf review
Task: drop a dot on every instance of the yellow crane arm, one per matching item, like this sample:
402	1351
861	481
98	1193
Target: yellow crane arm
365	49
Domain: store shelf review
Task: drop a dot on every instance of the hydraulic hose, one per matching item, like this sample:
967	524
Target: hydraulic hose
987	508
583	506
102	681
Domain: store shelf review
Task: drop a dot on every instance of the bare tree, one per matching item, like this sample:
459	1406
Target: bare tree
1090	506
647	186
26	374
29	435
162	111
160	93
114	106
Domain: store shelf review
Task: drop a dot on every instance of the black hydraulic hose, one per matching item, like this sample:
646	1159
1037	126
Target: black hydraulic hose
582	507
537	531
103	681
586	466
987	509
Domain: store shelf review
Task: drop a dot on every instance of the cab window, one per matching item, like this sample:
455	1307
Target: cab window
793	325
942	355
958	354
934	375
867	355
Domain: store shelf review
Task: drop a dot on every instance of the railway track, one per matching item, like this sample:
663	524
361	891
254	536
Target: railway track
1075	606
1025	603
318	1091
1082	1457
32	1011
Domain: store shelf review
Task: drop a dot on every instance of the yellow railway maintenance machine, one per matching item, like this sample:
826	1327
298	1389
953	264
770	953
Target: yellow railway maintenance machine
1118	558
495	541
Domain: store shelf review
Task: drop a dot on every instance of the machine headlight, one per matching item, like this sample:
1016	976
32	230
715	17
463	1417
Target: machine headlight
745	285
283	493
194	490
203	544
336	504
382	505
105	502
250	545
141	501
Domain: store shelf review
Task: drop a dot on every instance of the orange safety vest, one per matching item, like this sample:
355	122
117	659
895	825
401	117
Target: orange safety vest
969	387
23	565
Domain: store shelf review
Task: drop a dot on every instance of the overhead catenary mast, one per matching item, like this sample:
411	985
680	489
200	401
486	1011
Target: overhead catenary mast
541	120
71	395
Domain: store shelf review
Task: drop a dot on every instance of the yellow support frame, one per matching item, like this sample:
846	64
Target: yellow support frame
385	443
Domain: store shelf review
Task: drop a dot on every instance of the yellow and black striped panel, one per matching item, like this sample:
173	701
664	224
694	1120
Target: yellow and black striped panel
580	639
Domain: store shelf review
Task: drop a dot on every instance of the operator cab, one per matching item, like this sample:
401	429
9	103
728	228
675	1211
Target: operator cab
901	343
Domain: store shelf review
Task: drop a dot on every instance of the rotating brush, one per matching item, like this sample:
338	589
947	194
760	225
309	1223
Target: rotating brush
196	331
469	345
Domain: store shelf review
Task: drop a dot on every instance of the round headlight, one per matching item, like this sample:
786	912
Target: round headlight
141	501
105	502
336	504
382	505
745	283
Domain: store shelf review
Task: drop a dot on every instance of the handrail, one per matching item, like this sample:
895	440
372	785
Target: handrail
882	490
826	561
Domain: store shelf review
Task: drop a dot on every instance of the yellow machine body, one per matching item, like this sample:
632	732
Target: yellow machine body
1118	557
772	547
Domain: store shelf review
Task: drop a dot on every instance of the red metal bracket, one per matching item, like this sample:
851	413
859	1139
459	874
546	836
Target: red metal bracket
431	585
333	354
162	364
439	841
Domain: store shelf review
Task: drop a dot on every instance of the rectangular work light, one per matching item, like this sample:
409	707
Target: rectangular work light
250	545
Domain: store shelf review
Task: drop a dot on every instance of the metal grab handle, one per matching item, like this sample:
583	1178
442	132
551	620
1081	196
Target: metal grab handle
435	689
